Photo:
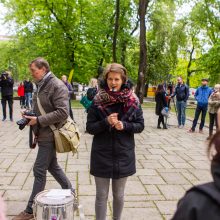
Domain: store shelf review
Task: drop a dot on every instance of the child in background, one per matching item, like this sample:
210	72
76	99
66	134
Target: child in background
21	94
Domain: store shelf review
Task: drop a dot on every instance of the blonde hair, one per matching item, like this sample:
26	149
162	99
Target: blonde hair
93	82
217	87
116	68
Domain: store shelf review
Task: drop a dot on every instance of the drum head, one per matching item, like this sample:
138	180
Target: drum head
42	199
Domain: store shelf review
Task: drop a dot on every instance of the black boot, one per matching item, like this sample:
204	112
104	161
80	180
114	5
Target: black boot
158	123
163	123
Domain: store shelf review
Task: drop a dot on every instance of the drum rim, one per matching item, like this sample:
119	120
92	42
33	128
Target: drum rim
53	205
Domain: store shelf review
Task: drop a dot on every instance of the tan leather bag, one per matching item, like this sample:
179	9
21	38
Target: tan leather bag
67	138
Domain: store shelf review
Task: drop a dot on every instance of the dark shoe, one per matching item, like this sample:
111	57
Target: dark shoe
11	119
3	119
191	130
164	127
24	216
158	127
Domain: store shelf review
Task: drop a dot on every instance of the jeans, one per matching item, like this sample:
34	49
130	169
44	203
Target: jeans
28	99
8	98
46	160
181	111
102	190
213	120
199	110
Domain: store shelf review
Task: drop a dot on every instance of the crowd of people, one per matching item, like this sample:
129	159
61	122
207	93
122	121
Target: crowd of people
113	118
25	91
208	100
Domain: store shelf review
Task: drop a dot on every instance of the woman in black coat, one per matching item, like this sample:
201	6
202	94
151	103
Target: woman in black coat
203	202
113	119
161	102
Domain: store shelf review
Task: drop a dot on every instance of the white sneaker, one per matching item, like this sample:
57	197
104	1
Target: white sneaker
181	126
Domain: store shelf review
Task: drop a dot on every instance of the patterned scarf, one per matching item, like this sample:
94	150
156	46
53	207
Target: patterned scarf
105	98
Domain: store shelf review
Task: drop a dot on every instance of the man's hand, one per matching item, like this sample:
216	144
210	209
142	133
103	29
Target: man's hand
33	120
119	126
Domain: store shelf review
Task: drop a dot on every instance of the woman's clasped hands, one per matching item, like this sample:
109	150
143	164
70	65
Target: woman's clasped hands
114	122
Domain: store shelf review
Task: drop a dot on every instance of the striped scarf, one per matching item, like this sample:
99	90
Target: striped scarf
105	98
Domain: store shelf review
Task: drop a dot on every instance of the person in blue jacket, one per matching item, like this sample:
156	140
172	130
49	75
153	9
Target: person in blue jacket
202	95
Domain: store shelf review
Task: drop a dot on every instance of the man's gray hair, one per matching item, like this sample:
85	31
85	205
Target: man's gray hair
40	63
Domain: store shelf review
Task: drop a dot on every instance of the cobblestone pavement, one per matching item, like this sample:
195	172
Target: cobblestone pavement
168	163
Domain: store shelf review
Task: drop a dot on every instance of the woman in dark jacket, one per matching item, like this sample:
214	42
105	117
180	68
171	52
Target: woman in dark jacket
113	119
203	202
161	102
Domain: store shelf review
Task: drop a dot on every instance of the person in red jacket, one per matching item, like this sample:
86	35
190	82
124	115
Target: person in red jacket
21	94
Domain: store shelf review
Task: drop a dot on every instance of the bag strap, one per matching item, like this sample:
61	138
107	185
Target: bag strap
53	128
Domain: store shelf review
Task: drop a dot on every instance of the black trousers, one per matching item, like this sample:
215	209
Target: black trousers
70	110
46	160
22	100
9	99
198	111
212	120
160	120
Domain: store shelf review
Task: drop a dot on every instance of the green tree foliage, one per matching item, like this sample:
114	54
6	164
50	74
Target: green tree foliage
80	34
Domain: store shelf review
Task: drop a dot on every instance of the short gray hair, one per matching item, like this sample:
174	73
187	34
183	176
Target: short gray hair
40	63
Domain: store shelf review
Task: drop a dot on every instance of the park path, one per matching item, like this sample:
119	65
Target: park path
168	163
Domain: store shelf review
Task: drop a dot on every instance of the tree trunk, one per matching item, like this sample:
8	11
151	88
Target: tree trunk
189	72
114	45
143	4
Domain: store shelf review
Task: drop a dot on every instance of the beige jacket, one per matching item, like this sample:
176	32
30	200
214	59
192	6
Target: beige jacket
214	103
53	96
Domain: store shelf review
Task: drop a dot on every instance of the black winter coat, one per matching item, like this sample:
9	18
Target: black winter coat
181	92
201	202
113	151
161	102
7	86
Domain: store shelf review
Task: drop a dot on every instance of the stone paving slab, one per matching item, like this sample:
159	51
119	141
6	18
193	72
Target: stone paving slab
168	163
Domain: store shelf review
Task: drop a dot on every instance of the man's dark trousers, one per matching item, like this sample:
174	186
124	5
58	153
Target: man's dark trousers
8	98
46	160
199	110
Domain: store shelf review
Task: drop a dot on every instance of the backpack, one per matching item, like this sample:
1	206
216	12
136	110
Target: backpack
67	138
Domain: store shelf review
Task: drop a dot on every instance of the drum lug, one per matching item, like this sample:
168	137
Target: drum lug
45	213
35	210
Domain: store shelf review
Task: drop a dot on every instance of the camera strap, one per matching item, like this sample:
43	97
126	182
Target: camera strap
33	141
52	127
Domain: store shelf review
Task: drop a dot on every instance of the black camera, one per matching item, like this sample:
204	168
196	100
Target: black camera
4	76
24	121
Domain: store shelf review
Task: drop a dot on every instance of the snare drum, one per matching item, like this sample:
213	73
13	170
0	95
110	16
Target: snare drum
46	208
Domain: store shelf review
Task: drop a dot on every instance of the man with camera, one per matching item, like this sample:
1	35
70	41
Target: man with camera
53	96
6	84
